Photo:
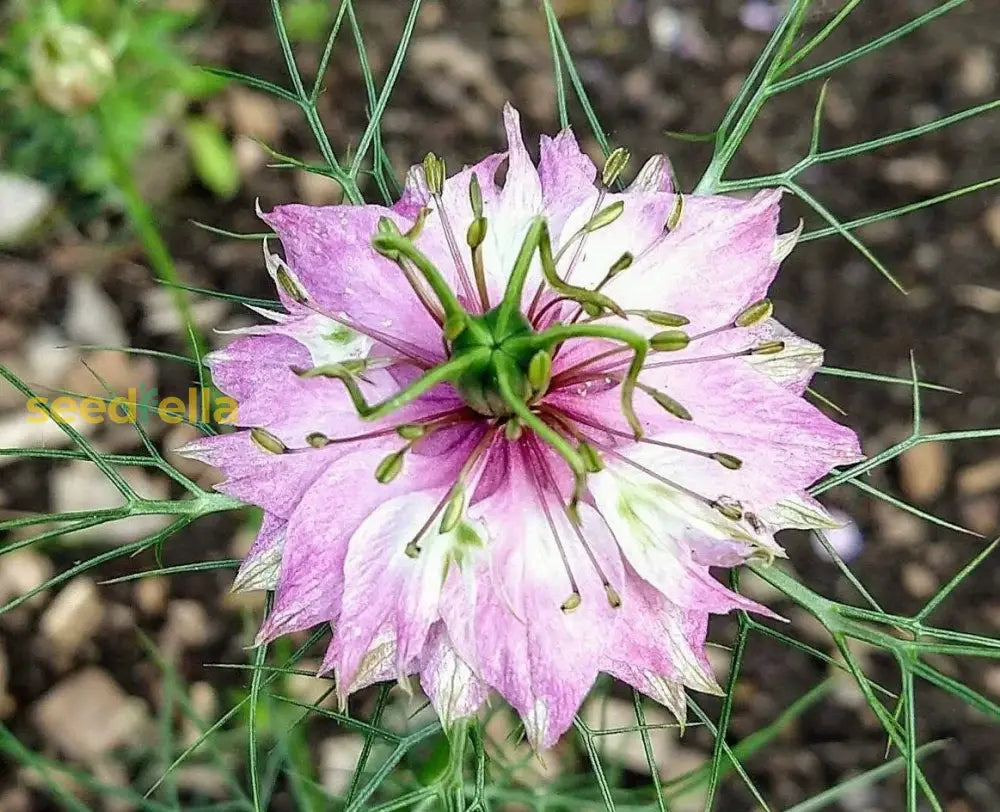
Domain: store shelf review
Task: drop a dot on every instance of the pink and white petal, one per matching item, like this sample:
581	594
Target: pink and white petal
386	587
504	616
656	175
798	511
262	563
449	682
329	249
310	589
567	177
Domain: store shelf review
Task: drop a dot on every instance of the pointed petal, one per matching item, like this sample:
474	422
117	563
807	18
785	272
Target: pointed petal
262	564
449	682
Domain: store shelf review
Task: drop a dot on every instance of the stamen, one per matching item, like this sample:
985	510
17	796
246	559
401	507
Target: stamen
475	236
665	402
266	441
614	166
669	226
540	372
391	466
614	599
434	170
669	341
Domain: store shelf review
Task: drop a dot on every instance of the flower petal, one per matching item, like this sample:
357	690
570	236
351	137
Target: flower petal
449	682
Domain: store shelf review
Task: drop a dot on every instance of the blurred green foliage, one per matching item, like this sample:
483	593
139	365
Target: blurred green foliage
146	47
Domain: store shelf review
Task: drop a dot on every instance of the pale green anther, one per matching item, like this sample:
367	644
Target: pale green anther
412	549
476	233
475	196
669	340
768	348
730	511
434	171
411	431
454	510
591	458
670	405
605	216
614	165
388	469
661	318
754	314
613	597
266	441
623	262
418	225
674	218
455	325
728	461
512	430
317	439
540	371
291	288
571	603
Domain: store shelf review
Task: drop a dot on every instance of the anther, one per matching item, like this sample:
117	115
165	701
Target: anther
476	232
434	172
475	196
614	599
454	510
317	439
571	603
605	217
266	441
614	165
513	429
540	371
727	461
754	313
290	286
620	264
669	341
411	431
730	510
667	403
674	218
412	549
768	348
661	318
390	467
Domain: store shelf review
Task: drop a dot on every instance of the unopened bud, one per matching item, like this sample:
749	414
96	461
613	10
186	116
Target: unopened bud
670	405
454	510
605	216
669	341
728	461
754	314
266	441
434	172
388	469
768	348
614	165
71	68
540	371
476	233
411	431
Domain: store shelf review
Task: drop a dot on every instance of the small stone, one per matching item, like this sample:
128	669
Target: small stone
309	689
254	114
23	571
91	316
925	172
923	471
983	477
151	595
73	618
205	704
977	72
991	221
980	297
897	527
919	581
88	715
187	626
338	758
981	514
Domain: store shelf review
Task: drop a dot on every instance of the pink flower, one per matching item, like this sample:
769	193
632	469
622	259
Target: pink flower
503	431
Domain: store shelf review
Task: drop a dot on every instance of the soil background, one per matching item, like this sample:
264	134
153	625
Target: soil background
650	67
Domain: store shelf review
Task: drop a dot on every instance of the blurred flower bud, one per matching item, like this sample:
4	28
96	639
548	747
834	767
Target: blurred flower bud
71	67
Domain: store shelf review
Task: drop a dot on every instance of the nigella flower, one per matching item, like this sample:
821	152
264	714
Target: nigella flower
502	431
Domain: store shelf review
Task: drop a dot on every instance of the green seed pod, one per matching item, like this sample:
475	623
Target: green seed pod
266	441
728	461
605	216
540	371
388	469
614	165
670	341
754	314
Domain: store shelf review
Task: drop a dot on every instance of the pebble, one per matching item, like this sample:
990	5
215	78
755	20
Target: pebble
88	715
73	618
991	222
897	527
254	114
919	581
925	172
980	297
983	477
187	626
316	189
23	571
151	595
981	514
338	757
923	471
91	316
977	72
24	202
309	689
